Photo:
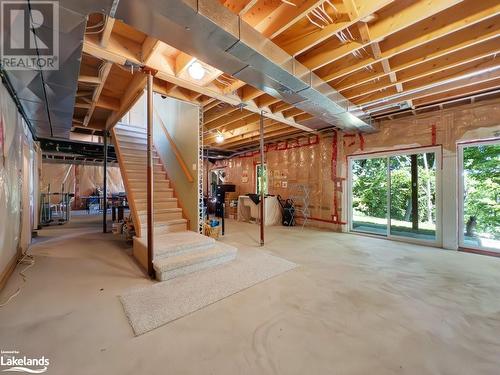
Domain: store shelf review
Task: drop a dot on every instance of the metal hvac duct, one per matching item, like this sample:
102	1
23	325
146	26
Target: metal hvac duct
212	33
48	96
203	28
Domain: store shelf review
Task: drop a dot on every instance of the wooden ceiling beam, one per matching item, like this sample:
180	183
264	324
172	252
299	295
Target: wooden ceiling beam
482	37
303	117
457	93
305	36
239	6
212	104
252	118
455	73
236	132
173	91
119	54
249	93
292	112
217	112
148	49
266	100
134	91
229	119
434	88
404	16
272	127
255	139
427	68
103	76
104	102
246	8
280	107
89	80
284	16
182	62
466	17
108	102
106	32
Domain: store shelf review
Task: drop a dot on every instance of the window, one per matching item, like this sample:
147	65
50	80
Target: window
479	189
261	178
395	195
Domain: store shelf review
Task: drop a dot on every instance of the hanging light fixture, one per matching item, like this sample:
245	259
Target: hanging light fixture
196	70
219	138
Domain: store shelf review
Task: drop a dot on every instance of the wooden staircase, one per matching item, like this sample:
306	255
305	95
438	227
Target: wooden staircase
177	251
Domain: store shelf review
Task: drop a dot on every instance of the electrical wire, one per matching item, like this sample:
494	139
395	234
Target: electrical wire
26	259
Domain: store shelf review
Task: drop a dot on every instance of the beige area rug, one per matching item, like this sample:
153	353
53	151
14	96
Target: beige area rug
153	306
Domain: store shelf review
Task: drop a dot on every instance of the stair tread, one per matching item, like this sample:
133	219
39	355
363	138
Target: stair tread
161	210
143	181
168	244
159	223
127	126
190	258
143	190
140	200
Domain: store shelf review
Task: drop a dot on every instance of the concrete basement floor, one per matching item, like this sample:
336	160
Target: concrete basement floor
356	305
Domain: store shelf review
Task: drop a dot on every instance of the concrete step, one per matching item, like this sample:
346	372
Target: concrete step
170	267
177	243
165	226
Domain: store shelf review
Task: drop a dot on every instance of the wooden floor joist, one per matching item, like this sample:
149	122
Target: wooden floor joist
374	52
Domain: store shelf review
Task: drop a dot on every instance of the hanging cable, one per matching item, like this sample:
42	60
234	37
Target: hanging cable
30	261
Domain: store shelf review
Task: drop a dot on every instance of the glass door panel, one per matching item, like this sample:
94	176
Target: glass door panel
413	196
480	219
369	195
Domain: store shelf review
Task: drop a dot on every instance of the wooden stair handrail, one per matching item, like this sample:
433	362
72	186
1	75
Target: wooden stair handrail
176	151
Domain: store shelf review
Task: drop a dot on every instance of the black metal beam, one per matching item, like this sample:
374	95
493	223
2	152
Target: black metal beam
85	149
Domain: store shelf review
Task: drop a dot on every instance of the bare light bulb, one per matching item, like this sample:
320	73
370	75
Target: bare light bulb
196	70
219	138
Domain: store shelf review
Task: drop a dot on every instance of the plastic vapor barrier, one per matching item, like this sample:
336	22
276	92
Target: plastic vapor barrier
446	128
305	161
14	136
82	180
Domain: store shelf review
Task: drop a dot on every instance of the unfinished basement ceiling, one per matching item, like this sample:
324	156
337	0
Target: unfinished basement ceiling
383	56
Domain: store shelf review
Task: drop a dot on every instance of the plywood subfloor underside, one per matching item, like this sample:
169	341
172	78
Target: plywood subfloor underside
355	305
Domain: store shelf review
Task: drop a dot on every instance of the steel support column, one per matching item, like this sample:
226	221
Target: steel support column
149	182
105	184
262	171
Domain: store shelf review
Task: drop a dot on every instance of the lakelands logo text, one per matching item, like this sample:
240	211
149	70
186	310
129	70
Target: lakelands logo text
13	361
29	35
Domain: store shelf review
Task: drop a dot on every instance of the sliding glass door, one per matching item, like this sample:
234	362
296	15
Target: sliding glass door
369	195
395	194
479	192
413	196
